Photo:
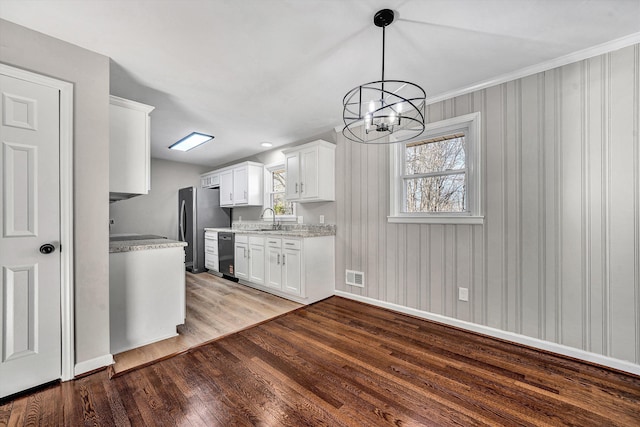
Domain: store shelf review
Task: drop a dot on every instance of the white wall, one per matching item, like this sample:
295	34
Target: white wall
156	212
558	257
89	73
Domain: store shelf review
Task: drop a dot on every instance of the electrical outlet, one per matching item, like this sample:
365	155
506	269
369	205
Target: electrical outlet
321	219
463	294
300	219
240	218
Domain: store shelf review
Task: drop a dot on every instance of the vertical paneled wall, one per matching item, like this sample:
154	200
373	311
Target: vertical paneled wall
558	256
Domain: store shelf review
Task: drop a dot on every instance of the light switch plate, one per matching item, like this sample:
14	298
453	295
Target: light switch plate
321	219
463	294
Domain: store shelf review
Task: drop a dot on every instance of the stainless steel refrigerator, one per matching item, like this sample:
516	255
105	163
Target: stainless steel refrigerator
199	208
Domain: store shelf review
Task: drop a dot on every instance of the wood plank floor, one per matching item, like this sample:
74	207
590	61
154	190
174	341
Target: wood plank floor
344	363
215	307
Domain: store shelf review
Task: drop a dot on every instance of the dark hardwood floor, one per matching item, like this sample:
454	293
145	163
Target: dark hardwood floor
337	363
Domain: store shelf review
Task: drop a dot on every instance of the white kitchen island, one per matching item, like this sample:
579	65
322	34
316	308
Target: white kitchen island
146	291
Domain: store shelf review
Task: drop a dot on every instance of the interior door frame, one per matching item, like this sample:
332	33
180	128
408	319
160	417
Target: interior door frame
66	210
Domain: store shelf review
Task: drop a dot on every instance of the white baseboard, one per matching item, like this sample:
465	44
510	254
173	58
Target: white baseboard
621	365
93	364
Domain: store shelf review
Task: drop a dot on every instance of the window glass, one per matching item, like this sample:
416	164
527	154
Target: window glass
277	194
434	155
437	179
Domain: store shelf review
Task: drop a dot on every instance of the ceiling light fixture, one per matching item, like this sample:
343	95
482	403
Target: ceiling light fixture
266	144
376	110
191	141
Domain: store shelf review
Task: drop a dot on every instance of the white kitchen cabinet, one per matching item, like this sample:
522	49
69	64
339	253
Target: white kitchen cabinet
242	184
146	296
211	259
241	257
291	266
300	269
226	187
273	263
256	259
249	258
310	172
129	148
210	180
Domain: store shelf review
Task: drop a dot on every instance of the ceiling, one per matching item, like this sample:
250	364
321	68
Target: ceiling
252	71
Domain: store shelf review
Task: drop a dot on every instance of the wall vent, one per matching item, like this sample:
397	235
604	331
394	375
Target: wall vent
355	278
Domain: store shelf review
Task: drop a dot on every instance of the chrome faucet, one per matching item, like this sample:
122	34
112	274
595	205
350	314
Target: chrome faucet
275	227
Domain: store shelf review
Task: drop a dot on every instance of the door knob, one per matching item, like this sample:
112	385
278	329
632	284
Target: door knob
47	248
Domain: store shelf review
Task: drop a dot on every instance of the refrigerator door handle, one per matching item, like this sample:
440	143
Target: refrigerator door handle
183	215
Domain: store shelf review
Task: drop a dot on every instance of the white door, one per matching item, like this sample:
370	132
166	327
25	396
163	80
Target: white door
241	261
292	167
240	185
309	173
30	313
292	266
256	263
226	188
274	269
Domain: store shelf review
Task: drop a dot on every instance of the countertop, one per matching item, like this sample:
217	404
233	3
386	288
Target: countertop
287	230
143	245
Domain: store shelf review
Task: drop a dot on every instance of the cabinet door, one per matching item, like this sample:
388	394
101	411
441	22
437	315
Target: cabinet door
241	261
292	167
240	186
256	264
226	188
309	173
292	271
128	147
274	268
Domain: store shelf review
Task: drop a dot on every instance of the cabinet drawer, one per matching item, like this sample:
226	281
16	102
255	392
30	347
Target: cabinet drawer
211	246
273	242
291	244
255	240
242	238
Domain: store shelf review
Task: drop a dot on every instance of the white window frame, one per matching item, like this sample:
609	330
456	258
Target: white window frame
470	125
268	190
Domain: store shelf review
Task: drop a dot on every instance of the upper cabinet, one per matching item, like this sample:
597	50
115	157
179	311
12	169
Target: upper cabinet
311	172
129	148
240	185
210	180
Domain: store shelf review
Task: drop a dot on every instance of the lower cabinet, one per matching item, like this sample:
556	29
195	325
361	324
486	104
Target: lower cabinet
300	269
211	250
284	265
241	257
249	258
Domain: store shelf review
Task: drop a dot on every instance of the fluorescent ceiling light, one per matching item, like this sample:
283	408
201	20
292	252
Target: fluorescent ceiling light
267	144
191	141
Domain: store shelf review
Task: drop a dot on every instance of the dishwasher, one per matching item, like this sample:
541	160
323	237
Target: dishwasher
226	243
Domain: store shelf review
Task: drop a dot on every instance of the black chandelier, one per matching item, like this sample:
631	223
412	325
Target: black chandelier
375	110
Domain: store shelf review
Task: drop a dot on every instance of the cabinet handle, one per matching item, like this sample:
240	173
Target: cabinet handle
302	187
230	196
245	194
282	259
296	188
278	258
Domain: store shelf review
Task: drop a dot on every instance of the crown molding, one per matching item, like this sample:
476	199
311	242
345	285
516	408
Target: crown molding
580	55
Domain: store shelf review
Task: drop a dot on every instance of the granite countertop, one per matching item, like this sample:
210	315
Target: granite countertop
293	230
142	245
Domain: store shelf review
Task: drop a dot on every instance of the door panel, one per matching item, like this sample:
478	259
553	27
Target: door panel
30	318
